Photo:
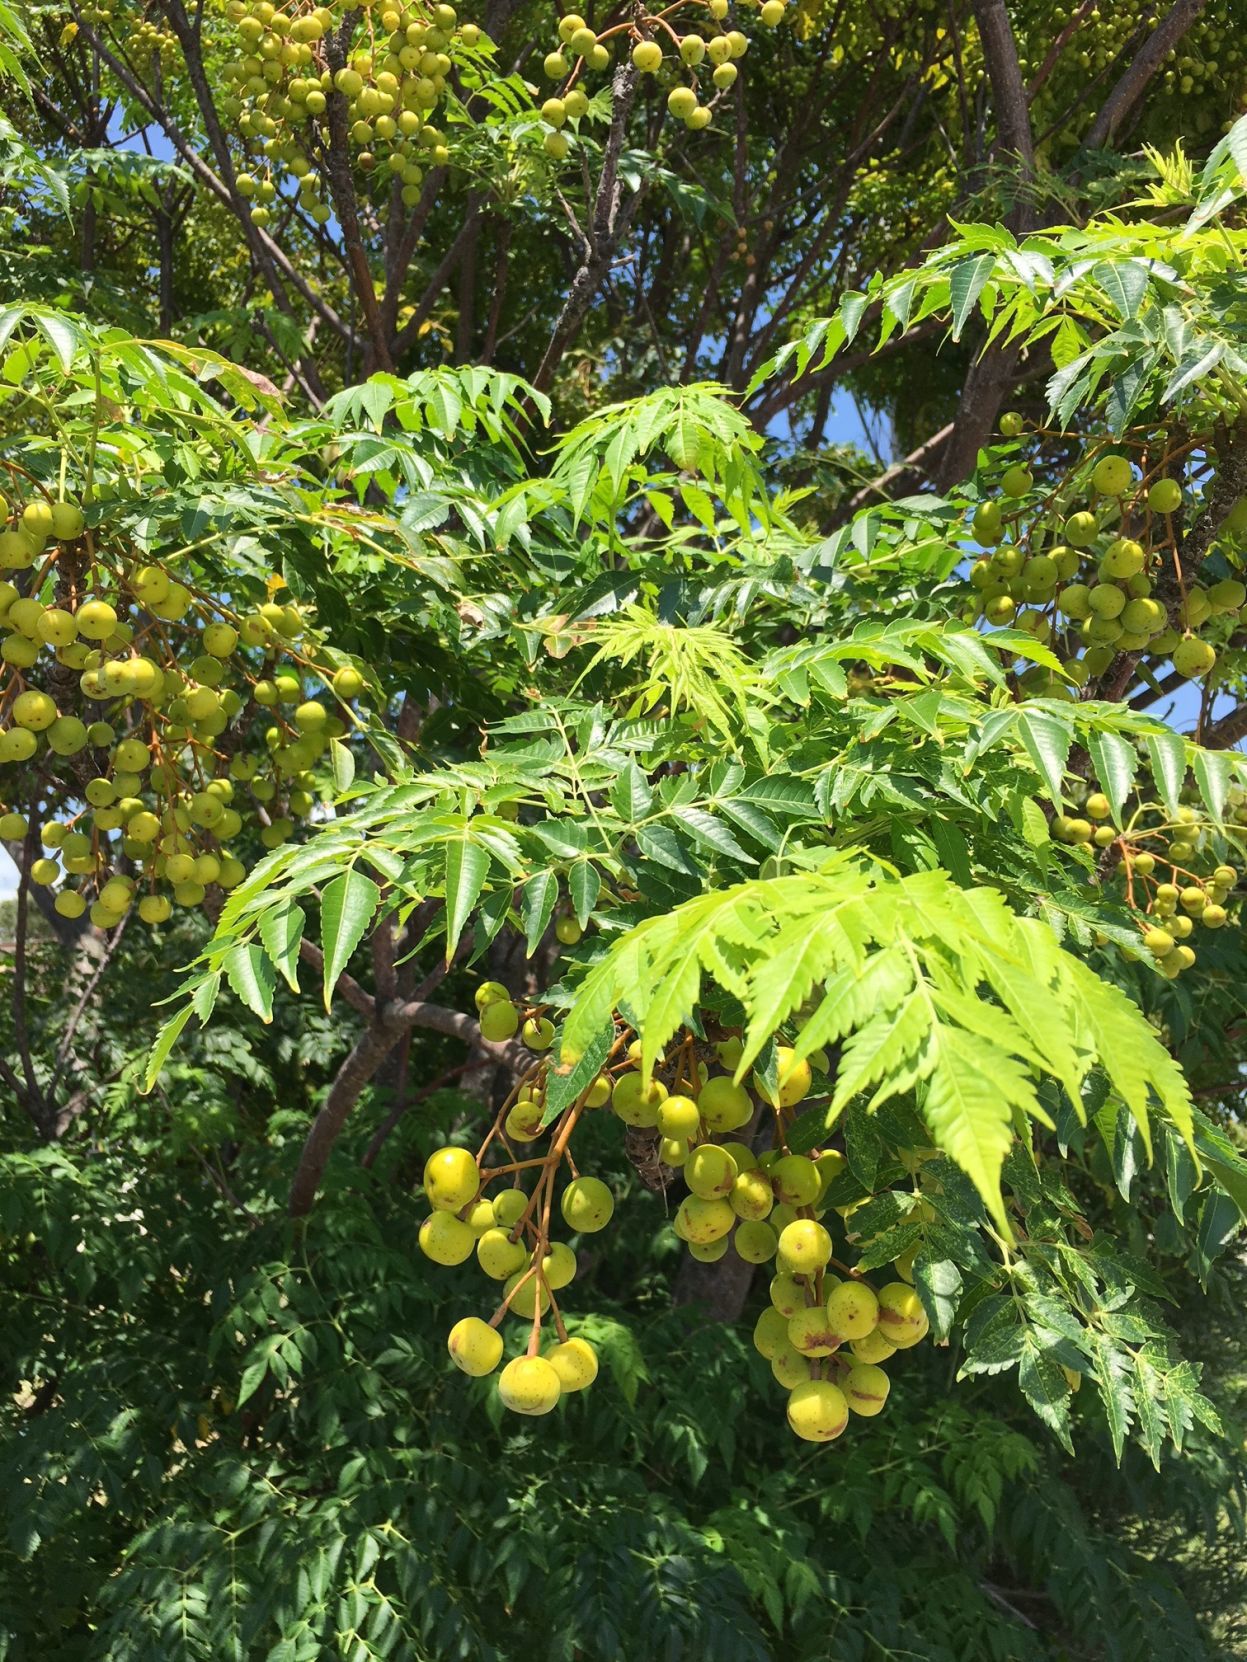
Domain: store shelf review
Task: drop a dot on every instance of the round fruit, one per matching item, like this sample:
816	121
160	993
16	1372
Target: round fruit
679	1116
1016	480
575	1362
1193	657
474	1346
509	1207
756	1243
34	711
866	1389
568	931
853	1310
499	1021
787	1294
647	56
770	1334
751	1197
987	524
1165	497
1112	475
817	1411
796	1180
1081	529
451	1179
636	1103
529	1385
724	1105
902	1320
498	1255
795	1079
537	1033
491	992
1011	424
875	1347
805	1246
446	1239
559	1265
701	1221
810	1332
587	1205
710	1172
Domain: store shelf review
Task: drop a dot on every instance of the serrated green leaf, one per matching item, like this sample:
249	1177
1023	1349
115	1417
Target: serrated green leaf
251	975
346	909
537	902
281	932
466	868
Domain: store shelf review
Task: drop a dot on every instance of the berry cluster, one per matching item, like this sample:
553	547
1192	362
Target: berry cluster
1090	592
767	1206
388	64
695	57
155	721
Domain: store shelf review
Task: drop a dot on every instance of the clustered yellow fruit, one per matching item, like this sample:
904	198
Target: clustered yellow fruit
1082	582
290	84
826	1339
133	748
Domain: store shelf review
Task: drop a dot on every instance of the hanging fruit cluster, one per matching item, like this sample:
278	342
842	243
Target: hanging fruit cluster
388	65
697	62
146	727
692	1123
1083	577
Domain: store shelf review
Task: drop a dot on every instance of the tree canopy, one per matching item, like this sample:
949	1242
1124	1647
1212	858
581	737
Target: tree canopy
500	776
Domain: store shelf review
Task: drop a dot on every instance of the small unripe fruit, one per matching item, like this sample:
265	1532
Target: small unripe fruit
679	1116
1193	657
724	1105
498	1255
866	1389
710	1172
1081	529
499	1021
805	1246
647	56
1112	475
810	1332
751	1197
874	1347
817	1411
702	1221
568	931
1011	424
529	1385
587	1205
446	1239
575	1362
509	1207
451	1179
475	1347
853	1310
756	1243
795	1180
635	1103
795	1079
559	1265
770	1333
902	1320
787	1295
1165	497
537	1033
1016	480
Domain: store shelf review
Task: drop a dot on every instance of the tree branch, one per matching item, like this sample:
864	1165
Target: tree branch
606	224
1143	65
